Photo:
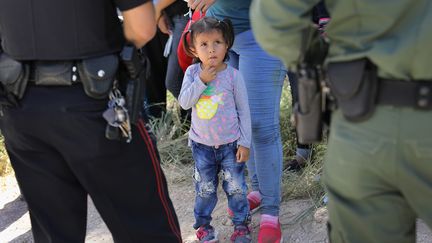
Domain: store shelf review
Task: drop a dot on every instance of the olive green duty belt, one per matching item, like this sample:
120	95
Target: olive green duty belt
415	94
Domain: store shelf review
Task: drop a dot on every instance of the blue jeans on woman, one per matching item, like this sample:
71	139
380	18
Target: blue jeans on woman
264	76
209	161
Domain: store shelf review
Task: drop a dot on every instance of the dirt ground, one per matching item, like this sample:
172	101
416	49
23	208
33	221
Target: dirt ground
15	224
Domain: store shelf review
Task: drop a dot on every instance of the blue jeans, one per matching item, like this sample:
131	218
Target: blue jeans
264	76
209	161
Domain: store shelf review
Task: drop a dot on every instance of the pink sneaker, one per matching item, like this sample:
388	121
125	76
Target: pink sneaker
207	234
241	234
269	233
254	200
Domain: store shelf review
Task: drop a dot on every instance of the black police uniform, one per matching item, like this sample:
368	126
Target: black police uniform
56	137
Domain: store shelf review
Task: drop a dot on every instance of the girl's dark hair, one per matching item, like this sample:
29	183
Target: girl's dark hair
205	25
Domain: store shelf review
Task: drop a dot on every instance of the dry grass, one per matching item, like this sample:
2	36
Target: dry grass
5	167
171	133
177	159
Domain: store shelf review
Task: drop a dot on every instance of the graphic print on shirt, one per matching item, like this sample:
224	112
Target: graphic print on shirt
208	103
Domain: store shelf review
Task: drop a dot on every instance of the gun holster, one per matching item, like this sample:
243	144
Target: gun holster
309	108
354	85
136	72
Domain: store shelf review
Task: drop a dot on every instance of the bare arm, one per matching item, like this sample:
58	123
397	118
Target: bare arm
139	24
201	5
160	5
161	18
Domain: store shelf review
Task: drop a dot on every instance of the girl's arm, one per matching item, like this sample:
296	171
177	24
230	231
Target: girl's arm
191	89
242	106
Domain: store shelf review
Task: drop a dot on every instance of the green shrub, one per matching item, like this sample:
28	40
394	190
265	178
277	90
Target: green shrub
307	183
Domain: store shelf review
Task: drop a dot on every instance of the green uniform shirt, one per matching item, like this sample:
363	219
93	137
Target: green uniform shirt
395	35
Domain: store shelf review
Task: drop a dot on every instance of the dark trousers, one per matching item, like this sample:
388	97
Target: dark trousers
174	77
155	97
59	152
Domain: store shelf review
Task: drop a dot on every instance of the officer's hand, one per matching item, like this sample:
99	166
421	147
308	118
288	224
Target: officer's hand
242	154
208	74
201	5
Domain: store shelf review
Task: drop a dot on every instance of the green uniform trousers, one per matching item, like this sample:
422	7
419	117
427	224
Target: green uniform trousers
378	176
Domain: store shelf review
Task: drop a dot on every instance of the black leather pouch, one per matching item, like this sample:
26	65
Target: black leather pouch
53	73
14	75
98	74
354	84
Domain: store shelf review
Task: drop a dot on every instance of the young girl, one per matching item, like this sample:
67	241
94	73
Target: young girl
220	132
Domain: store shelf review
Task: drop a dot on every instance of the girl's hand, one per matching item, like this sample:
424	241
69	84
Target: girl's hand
208	74
242	154
201	5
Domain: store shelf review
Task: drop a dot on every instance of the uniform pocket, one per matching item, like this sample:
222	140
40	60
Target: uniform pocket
355	155
422	148
362	140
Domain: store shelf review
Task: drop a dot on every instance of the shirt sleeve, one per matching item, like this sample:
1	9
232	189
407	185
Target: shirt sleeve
242	106
279	25
191	89
124	5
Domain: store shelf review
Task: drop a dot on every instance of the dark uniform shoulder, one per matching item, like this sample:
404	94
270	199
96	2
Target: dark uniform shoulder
61	30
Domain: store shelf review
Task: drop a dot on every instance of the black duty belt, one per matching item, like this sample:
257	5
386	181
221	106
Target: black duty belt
417	94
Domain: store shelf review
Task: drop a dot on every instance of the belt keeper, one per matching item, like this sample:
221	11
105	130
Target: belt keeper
74	77
424	95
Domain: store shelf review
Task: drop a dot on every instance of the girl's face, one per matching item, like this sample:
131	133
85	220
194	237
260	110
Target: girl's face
210	48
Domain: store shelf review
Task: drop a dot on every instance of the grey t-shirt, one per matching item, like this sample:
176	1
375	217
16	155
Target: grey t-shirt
220	109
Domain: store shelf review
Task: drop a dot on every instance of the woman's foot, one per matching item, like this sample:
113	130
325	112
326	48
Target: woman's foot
270	230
